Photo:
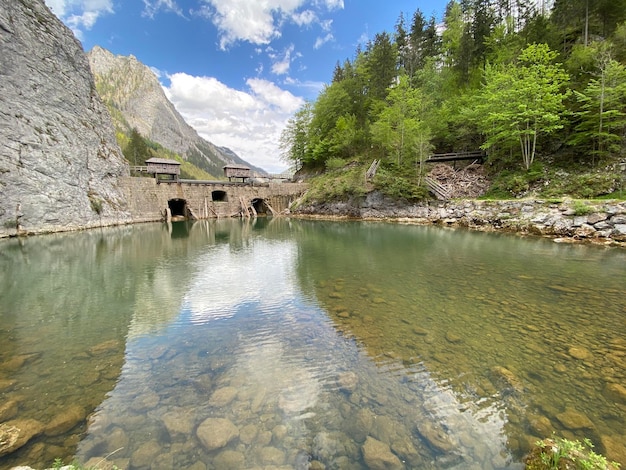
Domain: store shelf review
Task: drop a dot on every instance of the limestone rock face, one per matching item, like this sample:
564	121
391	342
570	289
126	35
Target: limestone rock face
59	161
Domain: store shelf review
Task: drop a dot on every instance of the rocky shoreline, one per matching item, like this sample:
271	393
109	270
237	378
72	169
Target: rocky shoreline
600	222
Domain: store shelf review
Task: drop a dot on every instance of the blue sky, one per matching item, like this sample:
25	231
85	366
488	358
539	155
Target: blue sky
238	69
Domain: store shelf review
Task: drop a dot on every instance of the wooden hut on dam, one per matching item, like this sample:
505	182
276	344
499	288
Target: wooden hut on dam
163	166
237	171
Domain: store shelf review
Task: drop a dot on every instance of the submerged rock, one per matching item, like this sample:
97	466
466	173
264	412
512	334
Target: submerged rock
572	420
15	434
215	433
67	419
378	456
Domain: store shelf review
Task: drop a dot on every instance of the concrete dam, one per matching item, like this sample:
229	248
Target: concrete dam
151	199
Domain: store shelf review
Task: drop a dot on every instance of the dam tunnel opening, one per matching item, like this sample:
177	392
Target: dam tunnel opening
261	206
219	196
178	207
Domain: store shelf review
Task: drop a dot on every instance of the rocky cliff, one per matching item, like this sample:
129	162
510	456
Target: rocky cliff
59	160
136	100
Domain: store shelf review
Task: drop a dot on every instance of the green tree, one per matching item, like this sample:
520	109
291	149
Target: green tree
602	116
295	139
136	151
399	130
523	100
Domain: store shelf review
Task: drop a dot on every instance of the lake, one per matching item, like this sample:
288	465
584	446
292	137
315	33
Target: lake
294	344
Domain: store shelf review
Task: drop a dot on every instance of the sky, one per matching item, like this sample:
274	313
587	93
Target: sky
237	70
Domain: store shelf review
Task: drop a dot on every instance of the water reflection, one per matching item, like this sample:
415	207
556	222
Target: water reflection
278	343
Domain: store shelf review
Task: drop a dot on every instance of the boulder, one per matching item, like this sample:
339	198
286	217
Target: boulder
215	433
573	420
223	396
378	456
15	434
616	392
65	420
145	454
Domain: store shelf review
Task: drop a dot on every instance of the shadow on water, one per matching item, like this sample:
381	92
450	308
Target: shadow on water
281	343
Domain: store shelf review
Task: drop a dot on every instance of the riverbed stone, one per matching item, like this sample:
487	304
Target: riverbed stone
104	347
8	410
614	448
616	392
17	362
540	425
215	433
6	384
229	460
179	421
347	381
248	433
453	337
15	434
271	456
573	420
578	352
116	439
145	454
67	419
509	378
378	456
146	401
223	396
435	436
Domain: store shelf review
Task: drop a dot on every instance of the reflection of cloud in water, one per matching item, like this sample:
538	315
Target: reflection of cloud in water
275	375
470	428
241	278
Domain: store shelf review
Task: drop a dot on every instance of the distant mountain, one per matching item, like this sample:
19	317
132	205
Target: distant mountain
135	99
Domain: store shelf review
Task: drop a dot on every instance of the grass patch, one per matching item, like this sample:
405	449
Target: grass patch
337	185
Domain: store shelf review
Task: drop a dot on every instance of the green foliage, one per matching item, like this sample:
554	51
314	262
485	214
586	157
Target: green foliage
491	79
523	100
583	185
580	208
602	112
558	453
399	187
338	185
136	150
335	163
58	465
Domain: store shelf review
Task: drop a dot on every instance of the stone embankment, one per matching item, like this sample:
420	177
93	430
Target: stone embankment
565	220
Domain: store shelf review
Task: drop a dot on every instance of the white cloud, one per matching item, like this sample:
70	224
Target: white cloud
248	122
320	41
80	15
281	64
152	7
259	22
304	18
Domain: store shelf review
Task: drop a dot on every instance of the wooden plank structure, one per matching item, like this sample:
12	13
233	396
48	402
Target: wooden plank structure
477	155
371	172
159	166
437	189
237	171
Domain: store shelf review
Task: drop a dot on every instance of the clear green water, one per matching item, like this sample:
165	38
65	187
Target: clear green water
295	344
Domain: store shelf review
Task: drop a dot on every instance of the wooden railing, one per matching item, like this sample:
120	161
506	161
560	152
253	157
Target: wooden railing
452	156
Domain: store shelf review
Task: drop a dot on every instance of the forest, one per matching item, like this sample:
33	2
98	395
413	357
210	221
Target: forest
540	88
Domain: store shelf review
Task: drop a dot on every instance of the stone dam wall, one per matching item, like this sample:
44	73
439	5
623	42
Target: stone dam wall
148	199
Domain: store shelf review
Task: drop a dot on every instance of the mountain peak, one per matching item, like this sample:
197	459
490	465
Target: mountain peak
133	91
